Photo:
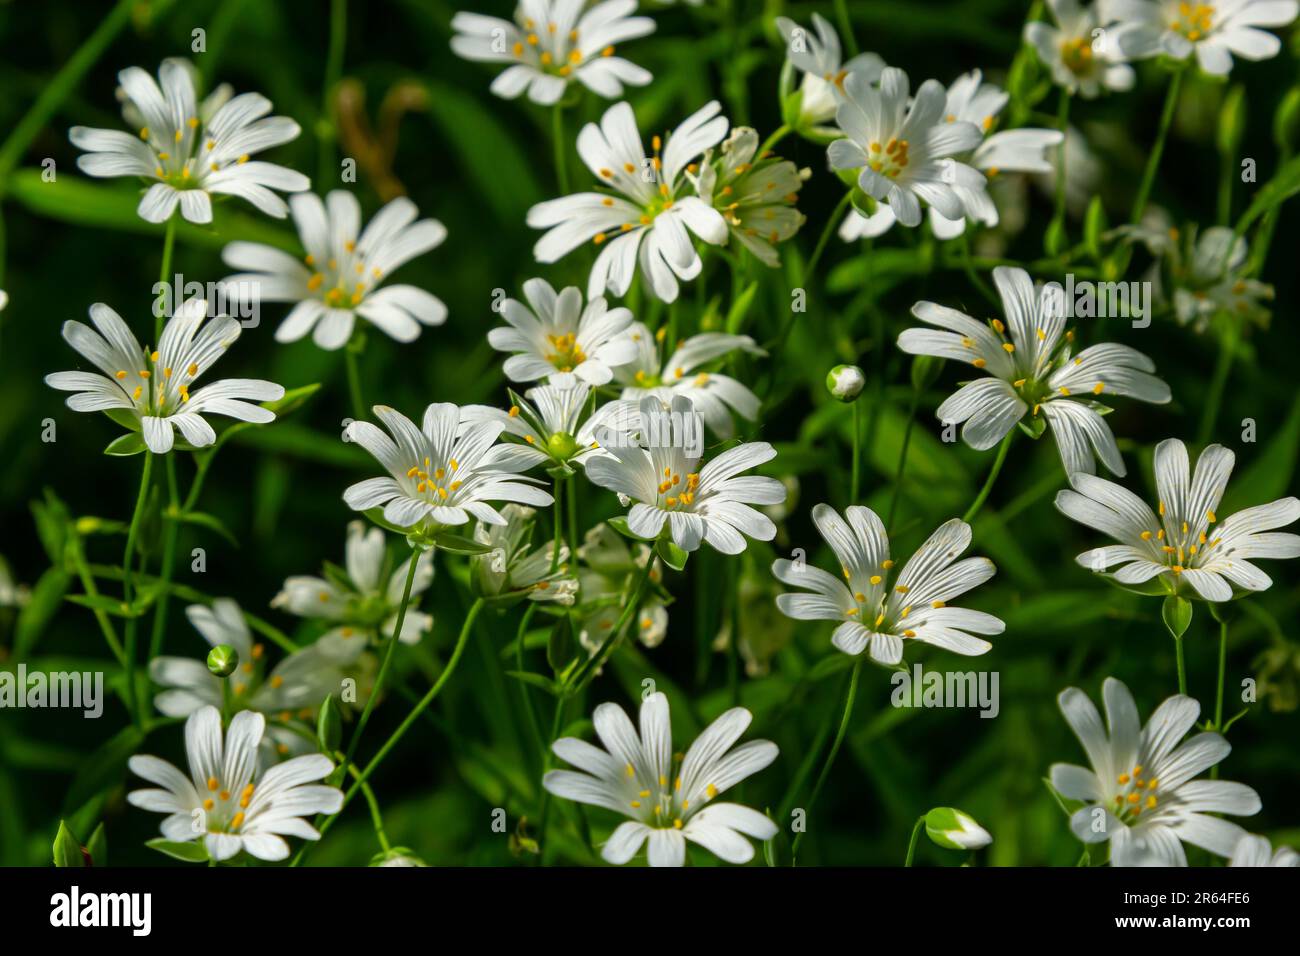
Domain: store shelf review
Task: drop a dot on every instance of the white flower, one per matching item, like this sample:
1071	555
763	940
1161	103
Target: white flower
1082	57
554	333
1029	369
361	604
971	100
1185	542
188	153
510	569
225	800
663	483
551	43
905	152
553	422
877	615
1140	794
440	473
667	803
818	58
756	196
609	572
339	278
1215	31
954	830
714	395
643	216
152	388
1254	850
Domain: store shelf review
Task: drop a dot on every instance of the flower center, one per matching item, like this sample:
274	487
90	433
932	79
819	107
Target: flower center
1136	794
566	354
342	283
1076	54
1193	20
891	159
218	804
153	392
676	492
437	483
1185	546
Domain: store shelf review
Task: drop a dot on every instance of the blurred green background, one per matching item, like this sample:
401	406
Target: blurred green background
427	125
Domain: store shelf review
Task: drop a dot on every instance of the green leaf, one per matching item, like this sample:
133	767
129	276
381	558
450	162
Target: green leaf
1284	185
329	726
536	680
52	522
670	554
45	599
740	308
561	646
104	768
97	846
292	400
109	605
619	524
194	852
67	849
1176	612
204	520
124	446
459	544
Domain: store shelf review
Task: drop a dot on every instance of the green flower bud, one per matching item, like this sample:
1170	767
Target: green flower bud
222	660
1286	121
562	445
845	382
951	829
1232	121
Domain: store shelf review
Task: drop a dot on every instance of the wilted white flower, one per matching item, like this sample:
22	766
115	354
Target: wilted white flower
1140	793
714	395
878	611
338	280
1255	851
358	601
441	473
191	151
1185	543
1029	368
667	802
551	43
1083	57
225	800
1214	31
818	58
555	334
905	151
644	213
510	569
150	390
665	484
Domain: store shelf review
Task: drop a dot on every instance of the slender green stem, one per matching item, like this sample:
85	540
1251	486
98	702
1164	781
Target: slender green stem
326	132
846	27
387	663
902	458
1063	124
811	268
781	133
1223	668
543	812
411	718
529	709
849	698
78	553
593	663
376	818
978	503
557	523
1214	394
857	452
561	152
1182	665
351	356
911	844
128	581
968	265
1157	148
164	273
572	498
170	532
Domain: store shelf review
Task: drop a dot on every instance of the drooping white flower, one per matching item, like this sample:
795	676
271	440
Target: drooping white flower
552	43
1030	368
1255	851
667	802
905	152
1183	542
152	388
191	152
439	473
643	216
971	100
511	570
225	800
755	194
1140	793
665	483
553	423
1214	31
555	334
360	603
878	610
1082	57
340	276
714	395
608	573
818	58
